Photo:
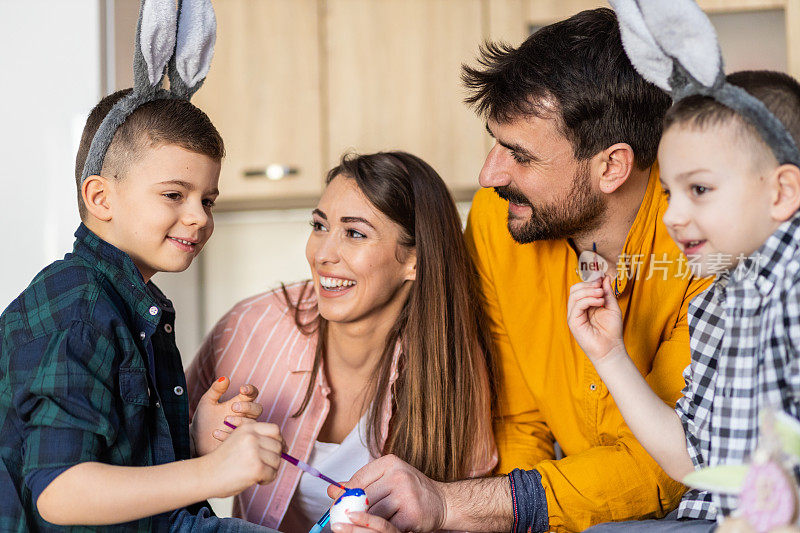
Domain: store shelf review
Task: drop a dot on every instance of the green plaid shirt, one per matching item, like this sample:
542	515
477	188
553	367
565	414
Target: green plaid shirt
78	381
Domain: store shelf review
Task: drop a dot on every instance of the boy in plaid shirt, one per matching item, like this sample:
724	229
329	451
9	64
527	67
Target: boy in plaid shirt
733	209
94	411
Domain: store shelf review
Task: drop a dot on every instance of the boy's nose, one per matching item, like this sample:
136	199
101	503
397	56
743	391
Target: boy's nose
196	215
675	216
495	172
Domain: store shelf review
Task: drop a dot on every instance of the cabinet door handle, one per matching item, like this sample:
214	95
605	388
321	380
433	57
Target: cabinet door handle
272	172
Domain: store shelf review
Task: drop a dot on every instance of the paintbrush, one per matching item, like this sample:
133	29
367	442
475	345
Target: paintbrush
310	470
301	465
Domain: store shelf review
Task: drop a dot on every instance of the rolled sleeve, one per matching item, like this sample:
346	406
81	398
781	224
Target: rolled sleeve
528	498
66	404
686	410
38	480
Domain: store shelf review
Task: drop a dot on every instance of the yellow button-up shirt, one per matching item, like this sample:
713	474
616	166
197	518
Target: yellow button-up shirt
550	391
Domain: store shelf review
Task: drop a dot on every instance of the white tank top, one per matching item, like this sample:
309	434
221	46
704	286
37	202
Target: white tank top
337	461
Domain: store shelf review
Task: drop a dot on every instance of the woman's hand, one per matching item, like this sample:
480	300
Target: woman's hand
208	429
595	319
364	523
251	454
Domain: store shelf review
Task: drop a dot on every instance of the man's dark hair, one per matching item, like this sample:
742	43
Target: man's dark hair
577	71
779	92
156	123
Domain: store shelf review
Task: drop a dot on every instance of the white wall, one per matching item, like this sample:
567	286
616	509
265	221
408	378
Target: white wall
51	72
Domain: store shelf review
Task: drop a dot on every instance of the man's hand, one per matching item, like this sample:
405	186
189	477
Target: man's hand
365	523
208	429
411	502
400	494
595	319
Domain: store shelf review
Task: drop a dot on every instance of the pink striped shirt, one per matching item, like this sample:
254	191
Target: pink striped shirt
258	342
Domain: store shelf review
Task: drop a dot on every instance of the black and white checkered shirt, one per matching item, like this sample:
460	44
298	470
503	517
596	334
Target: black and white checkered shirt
745	344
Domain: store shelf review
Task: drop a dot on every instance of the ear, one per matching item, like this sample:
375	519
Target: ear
411	265
786	200
96	194
615	165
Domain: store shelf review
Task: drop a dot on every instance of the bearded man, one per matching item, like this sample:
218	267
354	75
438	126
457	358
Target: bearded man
570	189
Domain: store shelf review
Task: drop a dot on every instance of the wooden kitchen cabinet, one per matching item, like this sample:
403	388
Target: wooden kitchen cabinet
394	82
263	94
299	82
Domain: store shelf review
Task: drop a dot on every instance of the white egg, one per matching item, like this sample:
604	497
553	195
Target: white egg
353	500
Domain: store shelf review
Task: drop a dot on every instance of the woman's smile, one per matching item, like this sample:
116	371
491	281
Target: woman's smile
333	287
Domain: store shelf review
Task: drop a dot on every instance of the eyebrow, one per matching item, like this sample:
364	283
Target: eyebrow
686	175
346	220
186	185
350	220
512	146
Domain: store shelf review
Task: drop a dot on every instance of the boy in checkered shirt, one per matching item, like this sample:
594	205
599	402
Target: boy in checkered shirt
733	209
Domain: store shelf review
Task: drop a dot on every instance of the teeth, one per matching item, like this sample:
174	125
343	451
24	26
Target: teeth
182	241
330	283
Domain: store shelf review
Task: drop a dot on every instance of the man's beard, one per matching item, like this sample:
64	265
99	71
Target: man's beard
581	212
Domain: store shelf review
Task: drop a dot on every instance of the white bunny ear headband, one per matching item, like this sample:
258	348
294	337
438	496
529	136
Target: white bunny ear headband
673	45
179	38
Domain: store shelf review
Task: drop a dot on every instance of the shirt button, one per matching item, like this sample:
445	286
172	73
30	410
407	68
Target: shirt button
158	404
592	387
168	328
154	310
142	335
178	390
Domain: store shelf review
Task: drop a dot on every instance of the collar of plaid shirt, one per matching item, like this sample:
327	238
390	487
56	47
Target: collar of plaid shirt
118	268
745	334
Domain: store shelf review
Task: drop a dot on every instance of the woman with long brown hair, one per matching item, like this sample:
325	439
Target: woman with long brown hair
385	350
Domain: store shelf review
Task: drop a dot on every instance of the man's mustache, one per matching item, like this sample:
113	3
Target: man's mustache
509	194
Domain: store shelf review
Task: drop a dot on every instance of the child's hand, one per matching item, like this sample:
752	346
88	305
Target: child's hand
595	319
208	429
251	454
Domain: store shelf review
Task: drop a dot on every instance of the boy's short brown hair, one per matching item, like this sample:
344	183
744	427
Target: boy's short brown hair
166	121
779	92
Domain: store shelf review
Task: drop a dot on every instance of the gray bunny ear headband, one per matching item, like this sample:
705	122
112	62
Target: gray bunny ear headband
176	38
673	45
